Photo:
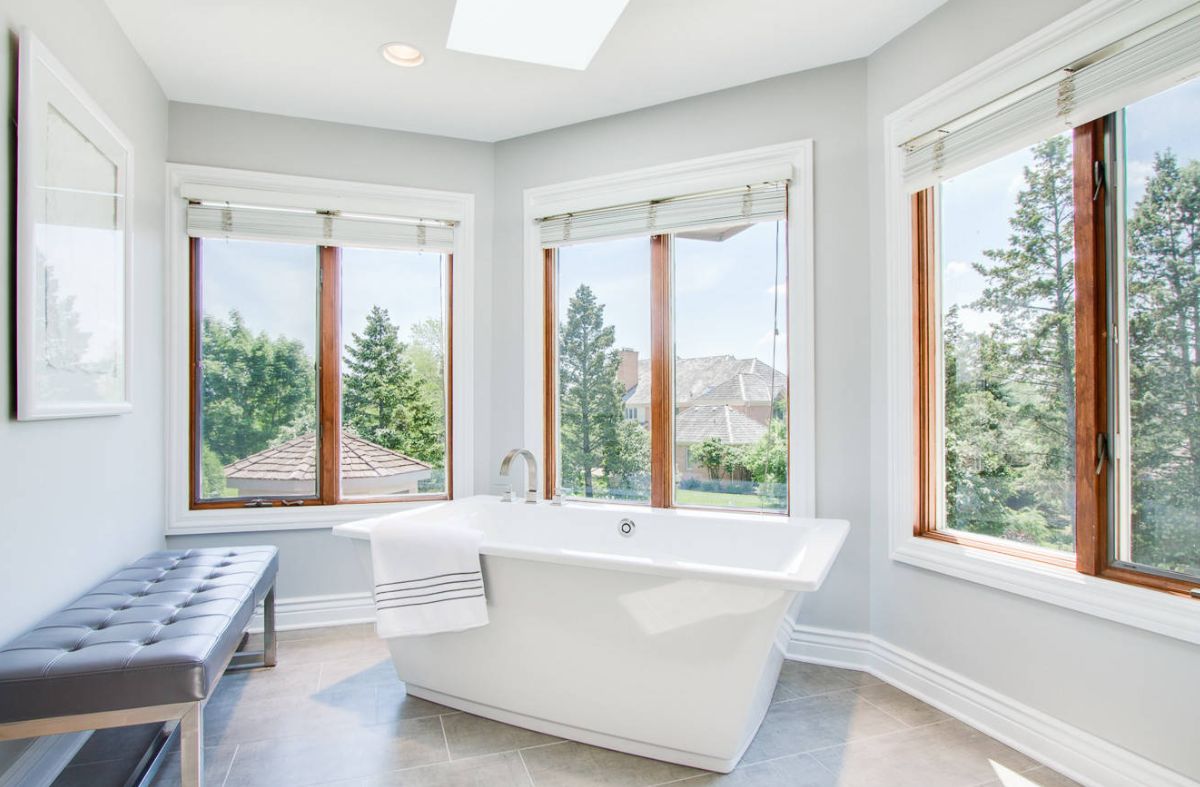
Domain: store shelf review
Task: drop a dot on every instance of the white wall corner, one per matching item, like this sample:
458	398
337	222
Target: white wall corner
1074	752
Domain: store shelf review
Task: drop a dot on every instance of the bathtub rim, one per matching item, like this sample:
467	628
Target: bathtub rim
824	543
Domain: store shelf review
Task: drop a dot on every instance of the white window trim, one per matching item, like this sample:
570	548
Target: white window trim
1075	35
318	193
690	177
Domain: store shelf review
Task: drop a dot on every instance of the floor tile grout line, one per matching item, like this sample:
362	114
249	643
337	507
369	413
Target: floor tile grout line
892	715
525	765
810	696
445	738
548	743
236	748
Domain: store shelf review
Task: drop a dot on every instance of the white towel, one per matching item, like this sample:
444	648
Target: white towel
428	578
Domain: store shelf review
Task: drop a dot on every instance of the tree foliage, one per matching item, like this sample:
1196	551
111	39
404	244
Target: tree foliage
382	396
1010	392
1163	281
254	388
592	433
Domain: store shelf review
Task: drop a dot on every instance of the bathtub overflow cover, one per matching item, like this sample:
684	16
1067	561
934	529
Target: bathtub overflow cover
626	527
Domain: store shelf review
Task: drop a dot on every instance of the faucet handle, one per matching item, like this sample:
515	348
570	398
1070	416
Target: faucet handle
557	499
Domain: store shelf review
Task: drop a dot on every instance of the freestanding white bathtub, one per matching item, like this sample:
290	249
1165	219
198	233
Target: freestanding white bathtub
661	643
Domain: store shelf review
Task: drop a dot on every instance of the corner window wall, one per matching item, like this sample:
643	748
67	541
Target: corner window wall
1056	323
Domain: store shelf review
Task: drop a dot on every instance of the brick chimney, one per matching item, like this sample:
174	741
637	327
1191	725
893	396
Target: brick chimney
627	372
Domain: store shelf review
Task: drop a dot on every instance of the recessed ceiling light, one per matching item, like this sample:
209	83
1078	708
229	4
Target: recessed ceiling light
547	32
400	54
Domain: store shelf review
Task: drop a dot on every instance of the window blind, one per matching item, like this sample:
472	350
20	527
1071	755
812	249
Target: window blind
724	208
1104	82
242	222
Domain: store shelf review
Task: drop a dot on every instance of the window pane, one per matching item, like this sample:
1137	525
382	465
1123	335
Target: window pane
731	367
1008	343
258	381
393	373
1162	286
602	309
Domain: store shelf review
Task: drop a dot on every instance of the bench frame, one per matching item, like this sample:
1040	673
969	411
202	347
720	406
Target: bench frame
182	719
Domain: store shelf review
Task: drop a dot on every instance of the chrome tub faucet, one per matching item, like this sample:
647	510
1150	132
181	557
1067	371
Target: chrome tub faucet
531	493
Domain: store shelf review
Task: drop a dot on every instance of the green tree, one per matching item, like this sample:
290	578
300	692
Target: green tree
382	400
590	396
1030	285
1164	353
711	454
629	464
253	387
427	352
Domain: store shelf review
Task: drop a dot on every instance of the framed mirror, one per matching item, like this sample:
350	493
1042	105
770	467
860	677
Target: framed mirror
74	247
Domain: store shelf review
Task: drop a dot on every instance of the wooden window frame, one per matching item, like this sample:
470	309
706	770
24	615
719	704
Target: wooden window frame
329	403
1092	156
662	394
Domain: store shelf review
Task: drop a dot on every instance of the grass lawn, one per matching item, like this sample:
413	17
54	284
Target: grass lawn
696	497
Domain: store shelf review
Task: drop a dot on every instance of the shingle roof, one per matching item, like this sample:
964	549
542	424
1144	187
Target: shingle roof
697	424
710	375
296	460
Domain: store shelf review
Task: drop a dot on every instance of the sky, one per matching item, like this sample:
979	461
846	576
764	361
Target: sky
274	286
976	205
725	292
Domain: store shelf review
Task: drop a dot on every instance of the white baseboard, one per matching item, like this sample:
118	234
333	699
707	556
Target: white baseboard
1075	753
306	612
43	760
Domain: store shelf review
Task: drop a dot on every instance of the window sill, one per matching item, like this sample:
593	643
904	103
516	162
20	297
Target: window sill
1143	608
252	520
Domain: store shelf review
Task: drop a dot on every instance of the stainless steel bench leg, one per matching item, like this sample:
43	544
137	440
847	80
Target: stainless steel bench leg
191	746
269	628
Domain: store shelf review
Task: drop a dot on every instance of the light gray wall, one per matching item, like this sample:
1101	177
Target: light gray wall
82	497
825	105
314	562
1133	688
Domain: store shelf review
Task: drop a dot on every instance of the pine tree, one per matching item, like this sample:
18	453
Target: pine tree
1031	286
1164	352
589	393
382	400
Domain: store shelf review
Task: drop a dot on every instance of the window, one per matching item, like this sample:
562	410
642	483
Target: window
730	375
601	294
1158	525
666	351
320	373
1057	343
1006	278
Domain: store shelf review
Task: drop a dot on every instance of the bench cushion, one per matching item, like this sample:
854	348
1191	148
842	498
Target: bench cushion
158	632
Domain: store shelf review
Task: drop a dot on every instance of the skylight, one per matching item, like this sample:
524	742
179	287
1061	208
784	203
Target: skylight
546	32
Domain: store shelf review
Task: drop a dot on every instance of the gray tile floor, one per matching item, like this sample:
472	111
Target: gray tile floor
333	712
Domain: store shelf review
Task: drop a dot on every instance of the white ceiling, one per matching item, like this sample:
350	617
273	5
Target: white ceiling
320	59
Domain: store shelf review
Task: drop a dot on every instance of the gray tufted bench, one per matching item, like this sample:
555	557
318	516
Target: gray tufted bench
147	645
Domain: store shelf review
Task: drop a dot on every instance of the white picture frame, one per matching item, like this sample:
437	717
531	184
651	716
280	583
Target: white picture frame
74	247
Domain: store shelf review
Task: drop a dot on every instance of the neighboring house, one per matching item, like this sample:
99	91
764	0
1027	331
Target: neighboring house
289	468
715	396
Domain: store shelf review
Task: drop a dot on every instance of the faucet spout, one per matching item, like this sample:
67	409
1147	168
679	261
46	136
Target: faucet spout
531	493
